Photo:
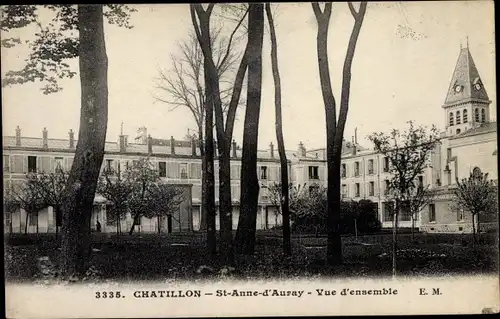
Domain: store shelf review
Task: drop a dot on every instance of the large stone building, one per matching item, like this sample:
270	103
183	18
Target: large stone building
469	141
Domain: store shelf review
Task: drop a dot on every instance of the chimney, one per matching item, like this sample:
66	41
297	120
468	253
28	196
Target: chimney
142	135
45	134
233	148
354	147
150	144
71	138
193	146
302	150
271	148
18	136
123	145
172	145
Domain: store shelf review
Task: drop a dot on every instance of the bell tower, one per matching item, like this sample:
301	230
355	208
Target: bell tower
467	104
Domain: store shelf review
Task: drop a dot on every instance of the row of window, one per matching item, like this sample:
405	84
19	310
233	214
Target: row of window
20	164
370	168
459	118
357	189
405	215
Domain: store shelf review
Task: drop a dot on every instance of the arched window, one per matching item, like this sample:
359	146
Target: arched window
465	116
458	117
476	115
451	118
483	115
458	131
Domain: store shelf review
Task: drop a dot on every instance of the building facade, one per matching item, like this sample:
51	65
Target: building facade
469	141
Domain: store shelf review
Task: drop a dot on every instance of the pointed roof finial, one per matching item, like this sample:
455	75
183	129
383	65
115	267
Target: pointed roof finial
467	39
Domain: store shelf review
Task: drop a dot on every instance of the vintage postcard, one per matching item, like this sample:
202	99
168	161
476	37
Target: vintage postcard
249	159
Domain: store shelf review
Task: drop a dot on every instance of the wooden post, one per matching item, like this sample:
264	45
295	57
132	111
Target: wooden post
356	228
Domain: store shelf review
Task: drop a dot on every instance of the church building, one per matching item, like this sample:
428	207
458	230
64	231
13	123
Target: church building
468	144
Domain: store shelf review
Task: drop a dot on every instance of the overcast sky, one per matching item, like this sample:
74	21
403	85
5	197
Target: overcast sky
394	78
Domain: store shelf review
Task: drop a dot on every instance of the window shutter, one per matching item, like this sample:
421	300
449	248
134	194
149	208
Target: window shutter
234	172
322	173
43	164
69	163
25	164
197	191
173	170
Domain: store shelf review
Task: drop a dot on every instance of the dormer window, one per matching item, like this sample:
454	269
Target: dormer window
458	88
477	84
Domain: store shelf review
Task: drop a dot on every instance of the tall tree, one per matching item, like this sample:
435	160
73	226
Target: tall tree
183	86
284	198
53	46
408	153
334	128
245	234
477	195
200	18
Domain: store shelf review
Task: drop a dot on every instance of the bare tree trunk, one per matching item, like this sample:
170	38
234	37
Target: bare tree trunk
211	95
285	197
82	181
225	205
26	224
208	155
159	226
203	210
478	230
134	222
245	234
37	224
224	131
334	244
395	238
57	212
412	227
334	132
474	230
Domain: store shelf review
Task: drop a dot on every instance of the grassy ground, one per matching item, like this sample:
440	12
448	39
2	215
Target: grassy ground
183	256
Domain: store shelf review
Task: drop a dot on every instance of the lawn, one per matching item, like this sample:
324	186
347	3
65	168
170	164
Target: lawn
184	257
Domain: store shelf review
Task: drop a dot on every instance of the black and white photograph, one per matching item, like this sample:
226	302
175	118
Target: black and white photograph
249	159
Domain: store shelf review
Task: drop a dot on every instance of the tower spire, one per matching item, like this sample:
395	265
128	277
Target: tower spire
121	129
467	41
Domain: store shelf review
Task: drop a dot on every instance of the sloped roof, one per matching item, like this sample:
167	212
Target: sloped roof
465	77
166	142
483	129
